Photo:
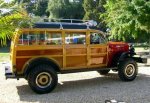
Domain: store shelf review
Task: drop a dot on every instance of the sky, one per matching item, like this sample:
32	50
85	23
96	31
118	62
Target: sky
4	10
7	1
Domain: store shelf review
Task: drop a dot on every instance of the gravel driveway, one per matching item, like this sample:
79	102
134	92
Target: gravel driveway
86	87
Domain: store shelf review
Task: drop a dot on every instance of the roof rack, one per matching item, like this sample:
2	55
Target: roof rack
87	22
66	24
66	20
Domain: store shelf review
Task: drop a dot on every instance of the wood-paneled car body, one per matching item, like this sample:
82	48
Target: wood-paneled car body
38	54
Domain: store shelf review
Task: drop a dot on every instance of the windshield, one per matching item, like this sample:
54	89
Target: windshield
104	36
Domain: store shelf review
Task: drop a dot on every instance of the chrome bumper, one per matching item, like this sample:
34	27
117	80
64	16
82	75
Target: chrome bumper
8	71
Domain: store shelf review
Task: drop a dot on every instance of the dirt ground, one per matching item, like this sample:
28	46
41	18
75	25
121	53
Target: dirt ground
85	87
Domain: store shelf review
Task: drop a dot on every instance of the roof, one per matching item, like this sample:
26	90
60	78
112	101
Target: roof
57	25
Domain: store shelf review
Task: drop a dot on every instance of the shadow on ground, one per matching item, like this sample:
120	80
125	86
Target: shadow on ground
95	89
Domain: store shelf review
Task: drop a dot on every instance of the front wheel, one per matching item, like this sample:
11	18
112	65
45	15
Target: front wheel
42	79
127	70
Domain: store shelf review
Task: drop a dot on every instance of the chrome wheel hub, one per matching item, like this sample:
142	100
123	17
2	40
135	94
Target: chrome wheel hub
43	80
129	70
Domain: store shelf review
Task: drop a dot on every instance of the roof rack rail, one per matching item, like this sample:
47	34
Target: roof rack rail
65	20
77	21
66	24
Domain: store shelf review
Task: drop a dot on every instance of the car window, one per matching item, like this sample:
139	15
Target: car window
53	38
33	38
96	38
23	39
75	38
40	38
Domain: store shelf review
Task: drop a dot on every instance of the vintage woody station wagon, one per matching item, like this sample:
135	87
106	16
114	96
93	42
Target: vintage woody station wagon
38	54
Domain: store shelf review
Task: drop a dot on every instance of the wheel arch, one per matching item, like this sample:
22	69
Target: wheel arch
30	64
121	56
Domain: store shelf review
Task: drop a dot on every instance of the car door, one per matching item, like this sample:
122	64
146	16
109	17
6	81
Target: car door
97	50
76	50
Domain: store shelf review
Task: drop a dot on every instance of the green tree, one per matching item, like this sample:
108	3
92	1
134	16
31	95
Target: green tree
94	8
128	18
41	7
36	7
65	9
29	5
11	18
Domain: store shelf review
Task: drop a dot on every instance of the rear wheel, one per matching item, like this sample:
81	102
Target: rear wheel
127	70
42	79
103	72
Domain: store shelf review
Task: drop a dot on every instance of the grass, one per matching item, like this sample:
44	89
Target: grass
4	54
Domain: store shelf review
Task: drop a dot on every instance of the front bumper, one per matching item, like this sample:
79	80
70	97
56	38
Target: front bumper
140	59
8	71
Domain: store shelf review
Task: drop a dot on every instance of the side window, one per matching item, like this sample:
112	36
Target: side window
96	38
41	38
53	38
75	38
23	39
32	38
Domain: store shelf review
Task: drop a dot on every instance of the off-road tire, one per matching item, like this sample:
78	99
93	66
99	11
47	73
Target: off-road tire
127	70
35	76
103	72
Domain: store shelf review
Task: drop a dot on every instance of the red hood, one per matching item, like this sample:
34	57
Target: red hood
118	46
122	43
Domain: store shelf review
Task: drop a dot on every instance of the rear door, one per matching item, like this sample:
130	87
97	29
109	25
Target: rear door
75	50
